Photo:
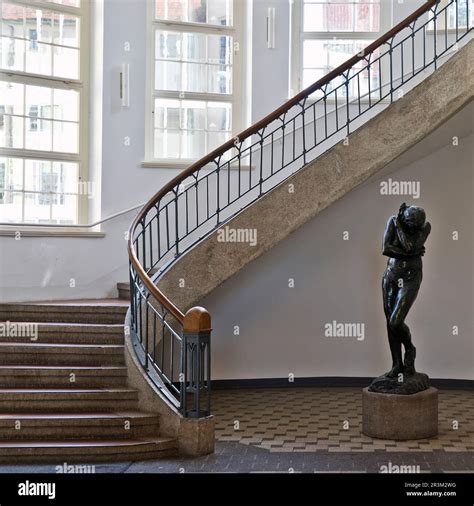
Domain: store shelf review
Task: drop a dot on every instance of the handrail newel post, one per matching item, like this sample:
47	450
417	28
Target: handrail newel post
196	360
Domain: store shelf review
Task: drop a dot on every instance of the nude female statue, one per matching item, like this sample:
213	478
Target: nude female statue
403	243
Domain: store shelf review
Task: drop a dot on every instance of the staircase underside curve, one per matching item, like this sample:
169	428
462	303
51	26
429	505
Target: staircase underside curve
323	181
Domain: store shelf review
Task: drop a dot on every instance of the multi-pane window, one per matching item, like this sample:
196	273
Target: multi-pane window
193	96
42	101
460	15
329	32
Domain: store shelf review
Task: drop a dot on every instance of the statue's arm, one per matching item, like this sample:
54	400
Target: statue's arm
421	239
389	249
408	245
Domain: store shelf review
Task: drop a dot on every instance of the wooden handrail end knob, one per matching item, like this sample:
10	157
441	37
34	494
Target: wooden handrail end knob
197	319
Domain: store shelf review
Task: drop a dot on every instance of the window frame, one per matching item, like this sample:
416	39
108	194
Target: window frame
298	36
236	98
440	24
80	85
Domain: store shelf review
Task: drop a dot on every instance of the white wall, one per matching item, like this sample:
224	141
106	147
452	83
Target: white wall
282	328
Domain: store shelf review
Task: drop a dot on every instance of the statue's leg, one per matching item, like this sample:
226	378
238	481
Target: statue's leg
390	289
405	298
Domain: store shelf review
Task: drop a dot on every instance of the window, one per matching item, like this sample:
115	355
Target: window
447	19
328	32
195	93
43	106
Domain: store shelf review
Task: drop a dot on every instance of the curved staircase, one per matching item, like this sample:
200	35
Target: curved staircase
63	388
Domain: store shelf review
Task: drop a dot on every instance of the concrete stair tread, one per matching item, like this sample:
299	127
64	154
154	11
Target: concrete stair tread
83	443
64	332
62	345
78	416
73	302
95	311
101	327
62	368
64	390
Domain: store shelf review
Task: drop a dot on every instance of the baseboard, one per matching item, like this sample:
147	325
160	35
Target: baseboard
329	381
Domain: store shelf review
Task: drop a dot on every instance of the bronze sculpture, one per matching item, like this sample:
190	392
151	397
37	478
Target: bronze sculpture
403	243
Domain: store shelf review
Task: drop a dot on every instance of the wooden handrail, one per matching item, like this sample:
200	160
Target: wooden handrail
210	157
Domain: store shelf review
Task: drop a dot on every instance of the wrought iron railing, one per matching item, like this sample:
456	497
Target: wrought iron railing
174	347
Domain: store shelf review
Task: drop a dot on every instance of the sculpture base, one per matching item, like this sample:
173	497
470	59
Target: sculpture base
411	384
400	417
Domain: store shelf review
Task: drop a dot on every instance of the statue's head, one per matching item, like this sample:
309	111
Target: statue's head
414	217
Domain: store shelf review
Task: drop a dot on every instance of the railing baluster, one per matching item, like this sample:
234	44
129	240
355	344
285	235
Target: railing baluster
218	192
158	233
402	70
228	182
325	116
196	191
207	196
314	125
144	245
303	130
380	76
391	72
294	139
358	91
176	223
187	210
271	157
146	335
348	112
150	231
260	182
239	158
424	47
283	128
446	28
167	229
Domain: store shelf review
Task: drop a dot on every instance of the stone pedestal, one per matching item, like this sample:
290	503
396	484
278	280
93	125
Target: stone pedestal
400	417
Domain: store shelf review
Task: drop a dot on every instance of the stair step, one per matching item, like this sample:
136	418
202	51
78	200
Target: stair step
108	311
62	400
116	425
61	354
124	290
23	376
45	451
63	333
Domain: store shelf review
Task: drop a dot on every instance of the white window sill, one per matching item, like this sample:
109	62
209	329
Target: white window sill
25	231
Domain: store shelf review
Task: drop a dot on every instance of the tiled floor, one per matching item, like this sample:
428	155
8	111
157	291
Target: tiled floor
329	419
301	430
